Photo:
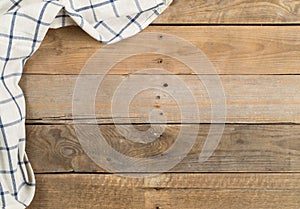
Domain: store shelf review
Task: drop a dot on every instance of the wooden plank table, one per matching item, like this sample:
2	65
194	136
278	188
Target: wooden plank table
255	48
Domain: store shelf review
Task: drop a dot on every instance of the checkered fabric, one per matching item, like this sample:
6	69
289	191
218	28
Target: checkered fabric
23	25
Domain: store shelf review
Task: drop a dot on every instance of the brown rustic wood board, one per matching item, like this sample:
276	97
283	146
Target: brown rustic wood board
255	48
168	191
231	12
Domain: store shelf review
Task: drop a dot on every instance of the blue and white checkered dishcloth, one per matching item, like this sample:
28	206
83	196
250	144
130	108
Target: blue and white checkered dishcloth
23	25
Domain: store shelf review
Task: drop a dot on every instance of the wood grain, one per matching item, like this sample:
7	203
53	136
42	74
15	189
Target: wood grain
231	12
250	99
254	166
170	191
243	148
231	49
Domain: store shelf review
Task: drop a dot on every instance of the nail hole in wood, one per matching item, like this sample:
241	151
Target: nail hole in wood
160	60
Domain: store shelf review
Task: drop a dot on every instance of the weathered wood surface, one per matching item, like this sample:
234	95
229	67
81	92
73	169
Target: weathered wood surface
231	12
243	148
250	98
231	49
172	191
256	165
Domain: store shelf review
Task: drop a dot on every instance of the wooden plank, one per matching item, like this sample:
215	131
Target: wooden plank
170	191
231	49
231	12
243	148
250	98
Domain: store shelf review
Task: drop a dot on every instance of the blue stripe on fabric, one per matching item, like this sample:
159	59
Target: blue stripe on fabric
38	25
10	99
11	58
9	148
2	193
94	6
94	13
132	20
114	8
30	18
7	59
135	22
11	123
18	37
23	173
12	176
137	3
8	172
15	4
